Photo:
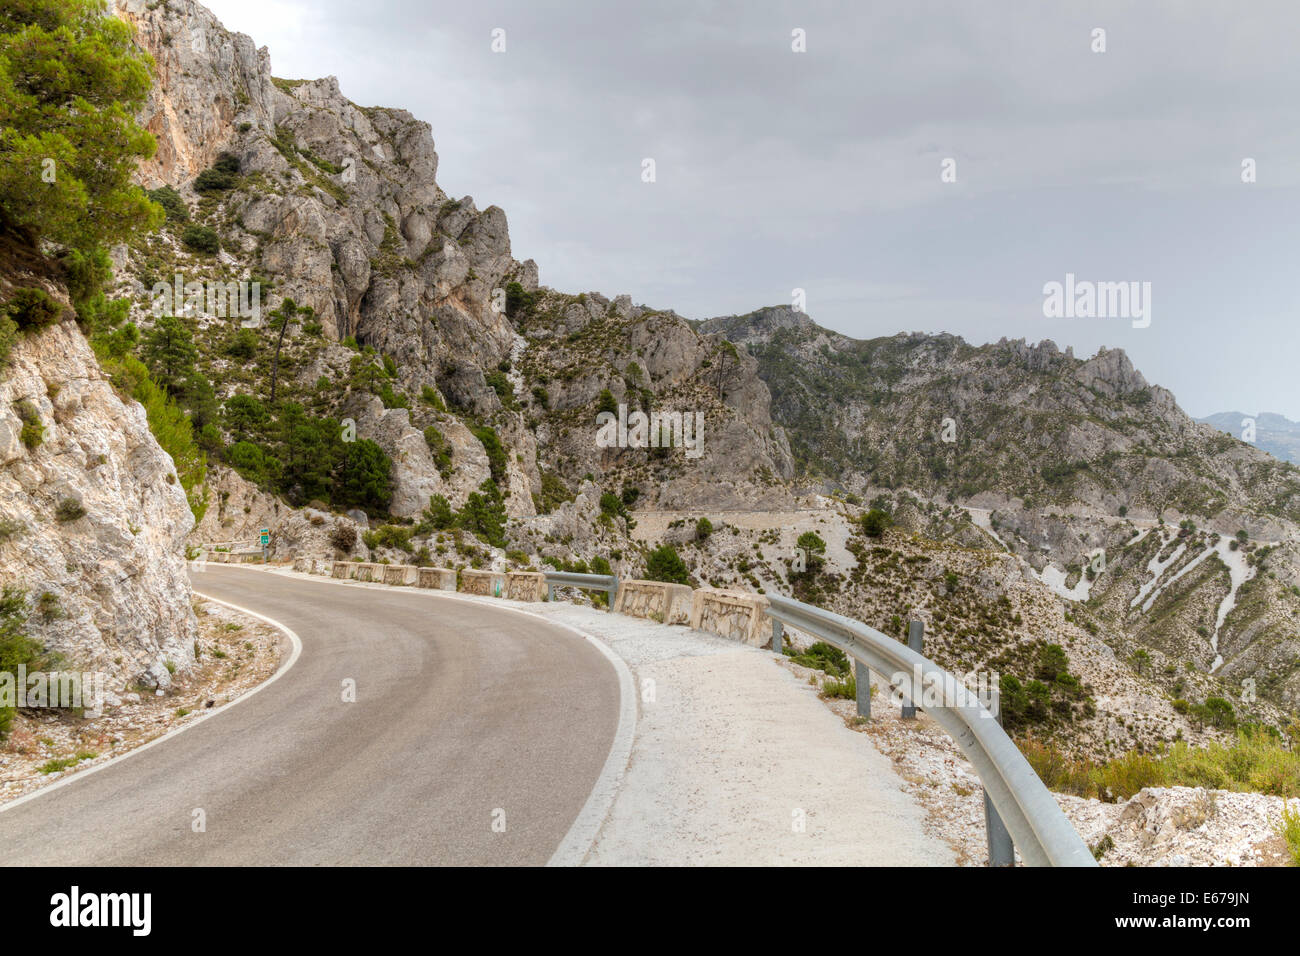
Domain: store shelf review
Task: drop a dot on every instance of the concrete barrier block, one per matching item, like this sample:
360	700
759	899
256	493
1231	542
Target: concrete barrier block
736	615
341	569
399	574
525	585
490	583
439	579
370	571
655	601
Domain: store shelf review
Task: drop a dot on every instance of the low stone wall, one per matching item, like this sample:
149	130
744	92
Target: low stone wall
655	601
400	573
439	579
736	615
525	585
342	569
489	583
309	565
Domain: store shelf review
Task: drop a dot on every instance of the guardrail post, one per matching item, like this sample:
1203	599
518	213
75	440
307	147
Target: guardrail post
550	592
862	673
915	640
777	632
1002	851
613	589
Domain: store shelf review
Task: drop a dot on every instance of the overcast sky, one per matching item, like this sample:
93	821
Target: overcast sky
820	170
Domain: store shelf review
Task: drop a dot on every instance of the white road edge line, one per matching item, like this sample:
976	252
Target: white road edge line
580	839
207	715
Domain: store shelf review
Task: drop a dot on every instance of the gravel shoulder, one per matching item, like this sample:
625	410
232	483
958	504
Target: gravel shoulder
736	762
237	652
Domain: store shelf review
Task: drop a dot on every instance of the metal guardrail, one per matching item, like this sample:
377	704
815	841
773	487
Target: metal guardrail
1014	796
589	582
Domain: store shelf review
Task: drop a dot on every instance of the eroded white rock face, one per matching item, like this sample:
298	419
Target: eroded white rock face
121	598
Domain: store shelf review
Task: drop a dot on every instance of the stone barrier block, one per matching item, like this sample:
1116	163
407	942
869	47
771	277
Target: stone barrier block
525	585
655	601
399	574
489	583
736	615
342	569
439	579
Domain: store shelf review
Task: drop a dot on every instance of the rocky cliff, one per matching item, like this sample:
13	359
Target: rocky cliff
337	207
92	516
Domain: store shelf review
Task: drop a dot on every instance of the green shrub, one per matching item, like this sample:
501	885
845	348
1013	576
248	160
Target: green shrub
1289	829
612	505
172	203
8	336
518	301
484	514
703	528
501	385
821	656
440	450
665	564
33	432
554	493
876	522
606	402
175	433
32	309
69	509
243	344
16	648
496	453
365	477
430	397
201	239
226	163
253	462
845	688
388	536
439	513
221	176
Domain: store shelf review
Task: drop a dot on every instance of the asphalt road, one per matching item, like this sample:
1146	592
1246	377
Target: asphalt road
465	715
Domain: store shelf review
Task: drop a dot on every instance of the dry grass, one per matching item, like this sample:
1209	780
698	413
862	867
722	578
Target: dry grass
1253	763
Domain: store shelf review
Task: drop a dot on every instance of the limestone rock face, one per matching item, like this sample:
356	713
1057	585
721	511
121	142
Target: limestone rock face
347	208
119	598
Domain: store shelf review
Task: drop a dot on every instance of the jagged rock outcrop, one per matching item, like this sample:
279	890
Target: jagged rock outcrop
344	214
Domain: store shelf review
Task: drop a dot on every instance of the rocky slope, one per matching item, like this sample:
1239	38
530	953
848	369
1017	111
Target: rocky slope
1004	421
1079	467
337	207
92	517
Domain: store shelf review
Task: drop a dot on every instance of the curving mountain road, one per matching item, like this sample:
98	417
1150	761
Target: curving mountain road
462	711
